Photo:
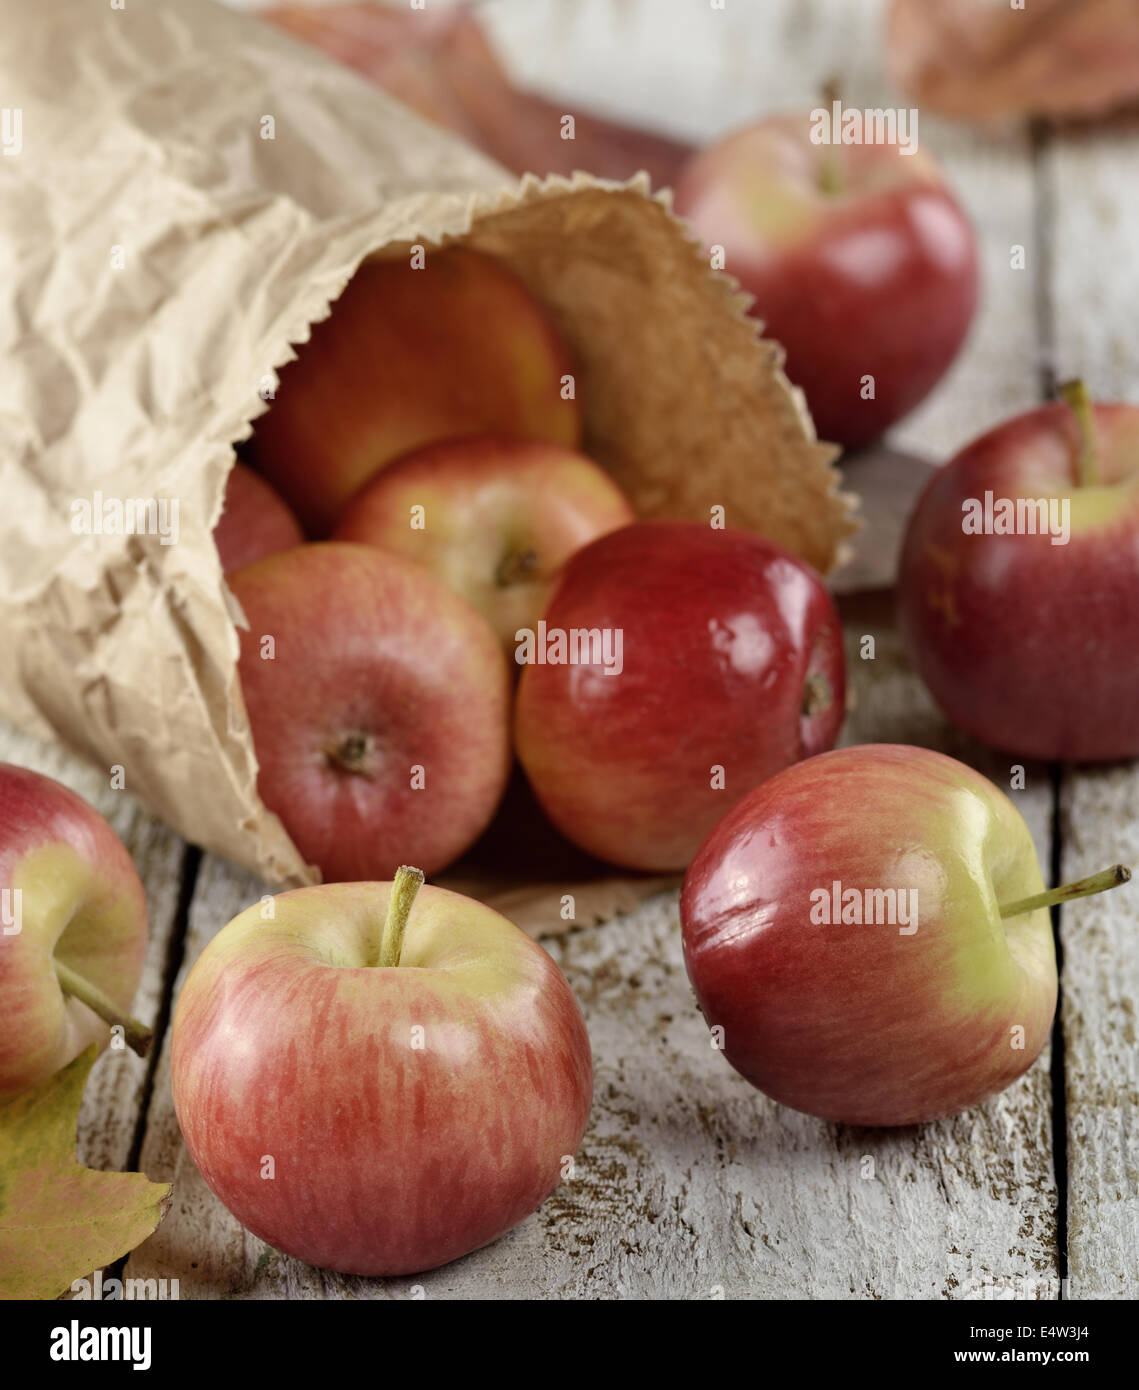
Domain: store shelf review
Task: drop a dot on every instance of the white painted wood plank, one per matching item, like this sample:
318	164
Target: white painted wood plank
110	1111
1094	189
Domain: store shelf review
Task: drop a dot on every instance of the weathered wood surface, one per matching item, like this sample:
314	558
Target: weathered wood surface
690	1184
1092	192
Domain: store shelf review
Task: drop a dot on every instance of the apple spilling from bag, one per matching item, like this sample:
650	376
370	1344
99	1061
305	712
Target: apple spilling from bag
717	661
73	927
413	353
441	458
379	1082
495	518
379	704
868	934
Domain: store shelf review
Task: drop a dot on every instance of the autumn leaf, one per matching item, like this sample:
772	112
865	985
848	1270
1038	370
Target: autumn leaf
981	60
59	1220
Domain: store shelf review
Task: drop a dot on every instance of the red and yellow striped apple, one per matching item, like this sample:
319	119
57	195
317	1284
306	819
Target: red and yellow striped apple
379	704
494	518
407	356
376	1102
869	930
72	930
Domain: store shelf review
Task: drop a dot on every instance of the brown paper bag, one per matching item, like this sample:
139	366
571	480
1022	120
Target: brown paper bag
183	192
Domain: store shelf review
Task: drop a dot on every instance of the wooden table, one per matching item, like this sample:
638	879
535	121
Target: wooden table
690	1184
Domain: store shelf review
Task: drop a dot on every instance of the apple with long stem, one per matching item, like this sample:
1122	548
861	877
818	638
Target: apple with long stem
494	518
868	934
379	1077
73	928
861	262
1018	588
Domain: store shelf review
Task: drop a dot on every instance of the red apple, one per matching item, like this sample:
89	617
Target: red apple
831	1003
375	1104
379	712
254	521
861	262
1033	646
494	518
408	356
72	930
716	659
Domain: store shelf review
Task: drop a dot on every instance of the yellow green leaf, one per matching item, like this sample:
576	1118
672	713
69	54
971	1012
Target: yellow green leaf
59	1220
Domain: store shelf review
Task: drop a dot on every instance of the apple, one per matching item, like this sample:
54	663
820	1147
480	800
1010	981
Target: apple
408	356
861	262
254	521
836	1006
715	660
72	930
494	518
1032	646
415	1070
379	704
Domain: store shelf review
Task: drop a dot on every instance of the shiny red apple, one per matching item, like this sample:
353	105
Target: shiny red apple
676	666
254	522
379	1086
379	704
1019	585
411	353
494	518
861	261
72	930
865	934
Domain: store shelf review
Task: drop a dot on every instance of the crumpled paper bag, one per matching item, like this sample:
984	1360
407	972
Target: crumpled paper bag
183	192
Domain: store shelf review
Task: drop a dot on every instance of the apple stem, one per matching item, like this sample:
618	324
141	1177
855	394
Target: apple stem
831	180
138	1035
1082	888
1075	393
405	885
